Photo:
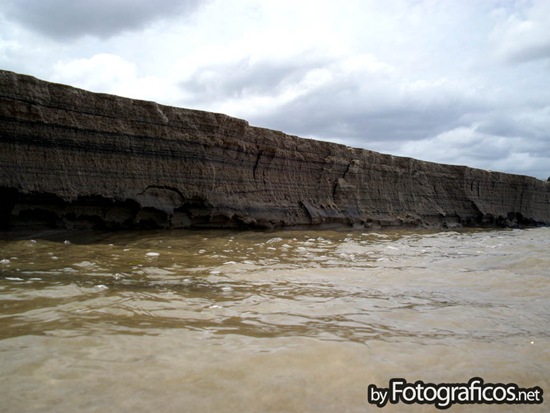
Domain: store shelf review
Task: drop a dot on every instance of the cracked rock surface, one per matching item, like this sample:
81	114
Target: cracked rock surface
72	158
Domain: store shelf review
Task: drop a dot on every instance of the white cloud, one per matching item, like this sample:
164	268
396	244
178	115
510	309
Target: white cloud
523	34
102	72
108	73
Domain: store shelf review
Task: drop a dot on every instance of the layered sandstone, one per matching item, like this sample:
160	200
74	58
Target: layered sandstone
70	158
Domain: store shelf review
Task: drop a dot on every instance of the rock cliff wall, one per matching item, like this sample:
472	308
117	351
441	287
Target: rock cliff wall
72	158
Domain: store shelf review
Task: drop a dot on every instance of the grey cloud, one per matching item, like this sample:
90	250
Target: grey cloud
529	125
244	78
530	53
346	114
63	19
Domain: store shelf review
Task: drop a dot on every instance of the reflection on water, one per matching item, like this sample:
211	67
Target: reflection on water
267	321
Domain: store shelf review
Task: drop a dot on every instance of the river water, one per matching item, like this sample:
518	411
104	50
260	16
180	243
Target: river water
284	321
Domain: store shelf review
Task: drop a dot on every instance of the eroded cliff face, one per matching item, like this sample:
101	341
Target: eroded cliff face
72	158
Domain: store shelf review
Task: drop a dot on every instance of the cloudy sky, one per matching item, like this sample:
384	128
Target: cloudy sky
459	81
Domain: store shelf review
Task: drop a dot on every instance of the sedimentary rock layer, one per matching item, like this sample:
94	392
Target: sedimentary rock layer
70	158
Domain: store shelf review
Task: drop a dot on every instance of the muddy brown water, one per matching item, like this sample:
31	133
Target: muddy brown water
286	321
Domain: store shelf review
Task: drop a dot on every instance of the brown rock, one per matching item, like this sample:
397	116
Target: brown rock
75	158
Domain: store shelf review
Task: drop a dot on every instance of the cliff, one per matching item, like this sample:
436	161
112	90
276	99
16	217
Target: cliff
72	158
